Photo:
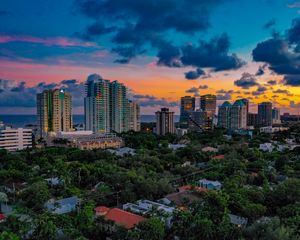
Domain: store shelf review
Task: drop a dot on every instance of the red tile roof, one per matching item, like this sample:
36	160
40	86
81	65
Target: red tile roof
120	217
219	157
190	187
2	216
102	209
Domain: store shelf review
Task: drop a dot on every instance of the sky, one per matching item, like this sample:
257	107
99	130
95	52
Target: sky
161	50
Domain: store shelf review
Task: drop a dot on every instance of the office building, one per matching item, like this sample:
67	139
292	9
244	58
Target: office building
199	120
208	103
106	106
233	116
15	139
54	111
164	122
276	116
134	117
187	105
265	114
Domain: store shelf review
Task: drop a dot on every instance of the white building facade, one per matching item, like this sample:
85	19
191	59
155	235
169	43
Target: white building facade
15	139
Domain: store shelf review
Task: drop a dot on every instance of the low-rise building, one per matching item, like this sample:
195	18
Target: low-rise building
14	139
121	152
237	220
211	185
270	129
266	147
120	217
62	206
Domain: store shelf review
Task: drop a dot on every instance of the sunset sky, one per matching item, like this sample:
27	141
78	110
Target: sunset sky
161	49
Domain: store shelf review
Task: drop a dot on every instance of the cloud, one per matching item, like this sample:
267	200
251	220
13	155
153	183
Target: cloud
193	90
272	82
213	54
283	91
192	75
261	70
246	81
18	94
152	101
203	87
270	24
259	91
282	54
55	41
149	26
294	105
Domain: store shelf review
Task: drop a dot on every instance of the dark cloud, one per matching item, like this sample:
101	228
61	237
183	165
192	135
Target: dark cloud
94	30
203	87
246	81
18	94
283	91
261	70
152	101
272	82
213	54
294	105
192	75
270	24
282	54
144	26
193	90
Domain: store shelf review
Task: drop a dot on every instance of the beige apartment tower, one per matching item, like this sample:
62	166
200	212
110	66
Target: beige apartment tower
164	122
54	112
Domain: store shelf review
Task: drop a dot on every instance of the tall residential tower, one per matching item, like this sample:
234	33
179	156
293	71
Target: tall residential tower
54	111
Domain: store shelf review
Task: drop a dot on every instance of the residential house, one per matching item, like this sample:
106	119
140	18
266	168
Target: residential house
62	206
120	217
211	185
237	220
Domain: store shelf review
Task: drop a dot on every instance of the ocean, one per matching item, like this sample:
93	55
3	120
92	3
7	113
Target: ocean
22	120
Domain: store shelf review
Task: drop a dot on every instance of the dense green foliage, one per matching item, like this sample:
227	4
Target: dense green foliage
251	188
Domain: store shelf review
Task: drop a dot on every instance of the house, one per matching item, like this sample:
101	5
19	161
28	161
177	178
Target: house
183	198
210	149
121	152
237	220
266	147
54	181
2	217
211	185
119	217
175	147
219	157
186	188
62	206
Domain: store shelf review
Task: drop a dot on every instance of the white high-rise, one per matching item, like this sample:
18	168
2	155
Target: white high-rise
15	139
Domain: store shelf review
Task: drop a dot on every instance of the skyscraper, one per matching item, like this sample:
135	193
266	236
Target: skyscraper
233	117
265	114
276	116
96	104
54	111
119	107
106	105
134	116
224	115
164	122
238	115
187	105
208	103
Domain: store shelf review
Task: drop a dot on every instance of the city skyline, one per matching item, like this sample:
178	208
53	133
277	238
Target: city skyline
39	51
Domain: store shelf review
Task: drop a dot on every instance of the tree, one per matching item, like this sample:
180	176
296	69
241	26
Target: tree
152	229
8	236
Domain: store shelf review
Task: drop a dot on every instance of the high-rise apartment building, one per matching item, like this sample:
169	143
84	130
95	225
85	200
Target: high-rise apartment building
134	117
106	106
119	107
54	111
252	119
208	103
265	114
15	139
233	117
276	116
224	115
187	105
164	122
238	115
199	121
96	104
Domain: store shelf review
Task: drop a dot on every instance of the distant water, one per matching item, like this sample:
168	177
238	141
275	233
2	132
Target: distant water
22	120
